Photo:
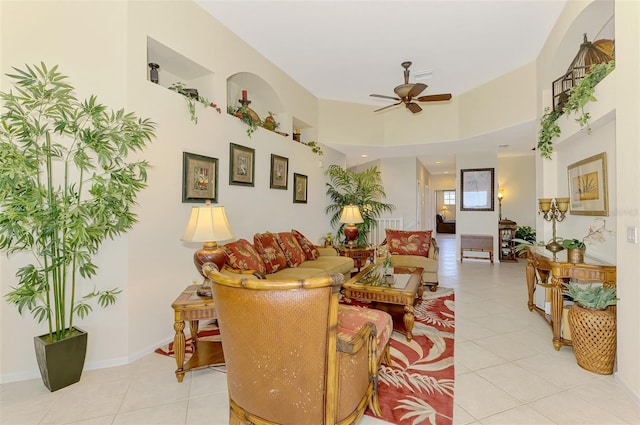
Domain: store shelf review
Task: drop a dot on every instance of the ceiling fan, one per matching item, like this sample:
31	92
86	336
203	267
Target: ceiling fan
407	93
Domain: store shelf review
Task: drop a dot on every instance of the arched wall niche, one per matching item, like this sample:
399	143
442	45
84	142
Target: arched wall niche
597	20
263	97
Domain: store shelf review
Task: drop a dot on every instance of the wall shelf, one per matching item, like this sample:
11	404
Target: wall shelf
177	68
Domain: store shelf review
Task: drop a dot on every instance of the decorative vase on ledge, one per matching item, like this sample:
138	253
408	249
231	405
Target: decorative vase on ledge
575	255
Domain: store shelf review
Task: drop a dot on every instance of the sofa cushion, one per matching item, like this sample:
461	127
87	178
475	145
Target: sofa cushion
269	249
409	242
242	256
352	318
309	249
330	264
292	250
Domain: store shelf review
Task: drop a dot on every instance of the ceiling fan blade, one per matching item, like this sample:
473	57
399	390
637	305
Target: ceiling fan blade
417	89
384	97
388	106
434	97
414	107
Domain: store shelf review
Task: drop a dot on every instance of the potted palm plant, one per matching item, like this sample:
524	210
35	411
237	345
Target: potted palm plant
593	326
65	186
363	189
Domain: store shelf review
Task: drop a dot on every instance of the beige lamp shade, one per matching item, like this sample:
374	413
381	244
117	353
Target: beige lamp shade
208	224
351	215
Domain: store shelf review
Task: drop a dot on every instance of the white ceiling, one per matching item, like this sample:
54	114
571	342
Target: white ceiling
347	50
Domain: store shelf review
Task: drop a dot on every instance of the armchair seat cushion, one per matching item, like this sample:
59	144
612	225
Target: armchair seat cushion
429	266
352	318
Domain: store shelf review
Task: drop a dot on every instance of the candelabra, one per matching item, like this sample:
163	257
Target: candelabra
553	210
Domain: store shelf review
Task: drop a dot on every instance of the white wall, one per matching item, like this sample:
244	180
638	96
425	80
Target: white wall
616	130
150	263
516	177
477	222
627	172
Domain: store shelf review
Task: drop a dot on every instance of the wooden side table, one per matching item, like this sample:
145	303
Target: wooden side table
360	255
191	307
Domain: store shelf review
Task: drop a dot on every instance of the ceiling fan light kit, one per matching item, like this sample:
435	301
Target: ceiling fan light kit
408	92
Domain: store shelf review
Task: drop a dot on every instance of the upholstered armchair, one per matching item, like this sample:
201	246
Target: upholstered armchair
413	248
285	362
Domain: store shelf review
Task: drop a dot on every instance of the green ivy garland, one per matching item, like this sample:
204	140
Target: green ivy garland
243	113
191	100
580	95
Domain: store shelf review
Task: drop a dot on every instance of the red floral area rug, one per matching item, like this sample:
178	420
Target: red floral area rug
418	386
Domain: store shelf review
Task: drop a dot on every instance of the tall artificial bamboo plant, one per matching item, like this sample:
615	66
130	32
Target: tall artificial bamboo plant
65	186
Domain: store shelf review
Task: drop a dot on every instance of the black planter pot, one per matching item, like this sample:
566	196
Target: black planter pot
61	362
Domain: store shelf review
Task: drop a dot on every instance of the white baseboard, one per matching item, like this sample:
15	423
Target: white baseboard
101	364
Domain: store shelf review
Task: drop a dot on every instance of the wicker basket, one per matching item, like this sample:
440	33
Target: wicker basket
593	335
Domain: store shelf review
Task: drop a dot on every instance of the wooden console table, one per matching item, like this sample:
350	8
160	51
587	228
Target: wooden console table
189	306
549	271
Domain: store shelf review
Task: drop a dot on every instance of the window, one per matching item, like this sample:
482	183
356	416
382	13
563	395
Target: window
449	197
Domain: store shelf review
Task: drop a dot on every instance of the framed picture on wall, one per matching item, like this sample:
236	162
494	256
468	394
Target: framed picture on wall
199	178
299	188
588	193
476	186
279	172
242	165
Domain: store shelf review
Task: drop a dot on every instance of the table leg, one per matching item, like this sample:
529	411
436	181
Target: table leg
556	311
408	319
531	283
193	328
178	347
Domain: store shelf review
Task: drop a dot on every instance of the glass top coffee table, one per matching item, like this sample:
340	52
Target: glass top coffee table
396	292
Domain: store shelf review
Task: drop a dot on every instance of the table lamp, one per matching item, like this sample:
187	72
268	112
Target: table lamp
500	197
208	224
350	217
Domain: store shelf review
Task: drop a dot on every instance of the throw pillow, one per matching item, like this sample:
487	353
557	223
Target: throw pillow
409	242
309	249
292	250
269	249
242	256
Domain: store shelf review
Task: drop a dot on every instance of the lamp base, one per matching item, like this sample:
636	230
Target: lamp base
209	253
351	233
554	246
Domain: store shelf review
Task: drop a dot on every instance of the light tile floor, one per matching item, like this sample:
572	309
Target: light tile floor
507	371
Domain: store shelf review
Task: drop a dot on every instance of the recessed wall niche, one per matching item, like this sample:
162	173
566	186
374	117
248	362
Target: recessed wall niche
263	98
177	68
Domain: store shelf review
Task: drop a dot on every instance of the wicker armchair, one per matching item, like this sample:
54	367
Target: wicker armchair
285	363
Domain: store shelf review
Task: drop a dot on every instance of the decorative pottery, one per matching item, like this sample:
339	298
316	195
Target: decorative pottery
575	255
61	362
593	336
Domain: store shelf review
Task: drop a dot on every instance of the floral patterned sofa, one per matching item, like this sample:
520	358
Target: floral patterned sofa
283	256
